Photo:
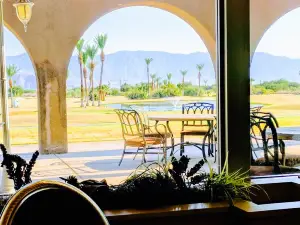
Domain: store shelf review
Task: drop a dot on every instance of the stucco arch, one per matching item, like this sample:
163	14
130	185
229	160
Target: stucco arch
264	14
206	36
22	42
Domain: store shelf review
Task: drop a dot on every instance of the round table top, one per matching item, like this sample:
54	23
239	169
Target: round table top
182	117
288	133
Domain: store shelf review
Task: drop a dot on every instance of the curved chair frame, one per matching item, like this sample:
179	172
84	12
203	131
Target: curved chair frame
196	108
259	124
16	200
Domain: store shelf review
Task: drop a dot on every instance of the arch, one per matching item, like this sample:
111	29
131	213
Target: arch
267	22
22	42
200	29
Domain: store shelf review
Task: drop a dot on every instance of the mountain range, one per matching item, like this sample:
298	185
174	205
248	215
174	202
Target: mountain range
129	67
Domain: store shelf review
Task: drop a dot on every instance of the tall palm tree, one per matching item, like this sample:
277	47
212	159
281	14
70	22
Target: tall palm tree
199	68
157	81
100	41
11	70
84	70
91	51
79	47
183	73
169	76
148	61
153	77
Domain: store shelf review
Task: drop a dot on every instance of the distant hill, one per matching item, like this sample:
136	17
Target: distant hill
129	67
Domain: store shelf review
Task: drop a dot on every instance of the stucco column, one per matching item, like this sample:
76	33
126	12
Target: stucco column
52	115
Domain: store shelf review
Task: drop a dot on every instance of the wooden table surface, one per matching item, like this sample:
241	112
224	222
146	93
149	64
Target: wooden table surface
288	133
182	117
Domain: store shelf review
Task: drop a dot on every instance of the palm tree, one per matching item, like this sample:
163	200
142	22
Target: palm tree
157	82
84	70
183	73
199	68
148	61
11	70
79	47
91	51
153	76
169	76
100	41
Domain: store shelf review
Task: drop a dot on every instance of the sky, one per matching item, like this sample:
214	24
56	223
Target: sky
151	29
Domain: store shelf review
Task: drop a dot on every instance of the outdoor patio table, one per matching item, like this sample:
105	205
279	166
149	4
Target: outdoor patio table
182	118
288	133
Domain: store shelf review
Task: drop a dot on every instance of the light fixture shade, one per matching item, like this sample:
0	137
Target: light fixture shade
24	11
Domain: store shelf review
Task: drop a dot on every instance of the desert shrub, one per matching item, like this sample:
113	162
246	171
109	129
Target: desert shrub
125	87
114	92
17	91
136	94
191	91
29	91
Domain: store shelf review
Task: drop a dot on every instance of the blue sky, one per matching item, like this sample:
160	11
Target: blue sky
146	28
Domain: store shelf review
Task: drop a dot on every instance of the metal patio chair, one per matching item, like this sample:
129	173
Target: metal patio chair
135	134
263	137
199	128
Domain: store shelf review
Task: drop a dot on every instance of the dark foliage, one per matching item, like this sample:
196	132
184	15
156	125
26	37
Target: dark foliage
155	186
17	168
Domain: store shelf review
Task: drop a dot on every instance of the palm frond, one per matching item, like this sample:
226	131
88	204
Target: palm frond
12	70
153	75
79	45
200	67
91	51
183	72
84	58
169	76
148	60
100	40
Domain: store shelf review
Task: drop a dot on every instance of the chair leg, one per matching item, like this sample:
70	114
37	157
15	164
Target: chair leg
282	149
137	151
181	146
122	155
172	146
215	149
144	154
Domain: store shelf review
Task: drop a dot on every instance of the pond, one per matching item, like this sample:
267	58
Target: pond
156	106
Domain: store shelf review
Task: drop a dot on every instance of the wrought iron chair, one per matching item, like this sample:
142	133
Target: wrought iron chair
194	128
263	137
134	134
150	130
51	202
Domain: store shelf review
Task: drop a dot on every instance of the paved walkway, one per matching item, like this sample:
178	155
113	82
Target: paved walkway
97	161
90	161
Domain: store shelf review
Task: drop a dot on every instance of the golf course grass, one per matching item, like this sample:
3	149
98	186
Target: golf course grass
96	124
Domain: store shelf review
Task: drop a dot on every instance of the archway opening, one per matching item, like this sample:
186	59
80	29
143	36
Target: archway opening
22	95
173	49
275	82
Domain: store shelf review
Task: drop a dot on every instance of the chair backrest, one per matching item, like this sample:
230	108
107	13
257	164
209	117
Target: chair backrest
51	202
131	123
263	135
197	108
143	114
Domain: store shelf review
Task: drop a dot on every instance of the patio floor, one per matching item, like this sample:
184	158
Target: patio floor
92	161
99	161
